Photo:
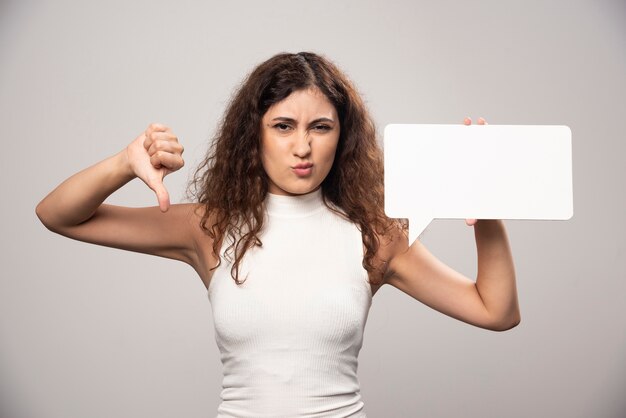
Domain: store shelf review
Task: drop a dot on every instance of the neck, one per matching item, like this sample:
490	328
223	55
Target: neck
294	206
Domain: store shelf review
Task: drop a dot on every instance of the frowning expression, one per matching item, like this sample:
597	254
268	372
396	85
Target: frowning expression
299	137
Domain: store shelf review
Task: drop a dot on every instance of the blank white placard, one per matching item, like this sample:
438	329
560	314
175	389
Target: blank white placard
477	171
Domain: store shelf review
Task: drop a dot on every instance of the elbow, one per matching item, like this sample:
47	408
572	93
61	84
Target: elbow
507	325
41	213
54	218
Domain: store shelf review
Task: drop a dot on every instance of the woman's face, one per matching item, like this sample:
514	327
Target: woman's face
299	136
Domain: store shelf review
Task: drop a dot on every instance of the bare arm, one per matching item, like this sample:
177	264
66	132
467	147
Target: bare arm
495	281
417	272
75	208
76	199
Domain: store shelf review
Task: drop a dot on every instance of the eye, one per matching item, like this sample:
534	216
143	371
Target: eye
322	128
282	127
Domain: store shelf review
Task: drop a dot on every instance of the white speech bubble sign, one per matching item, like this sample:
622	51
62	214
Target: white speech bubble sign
435	171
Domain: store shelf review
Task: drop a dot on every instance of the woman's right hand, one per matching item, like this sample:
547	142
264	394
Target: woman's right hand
153	155
76	208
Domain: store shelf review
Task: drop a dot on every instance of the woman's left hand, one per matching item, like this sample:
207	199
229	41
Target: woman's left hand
468	121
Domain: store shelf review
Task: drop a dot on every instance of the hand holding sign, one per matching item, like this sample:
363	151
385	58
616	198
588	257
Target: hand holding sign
477	172
468	121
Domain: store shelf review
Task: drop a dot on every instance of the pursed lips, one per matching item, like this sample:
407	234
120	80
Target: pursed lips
303	165
303	169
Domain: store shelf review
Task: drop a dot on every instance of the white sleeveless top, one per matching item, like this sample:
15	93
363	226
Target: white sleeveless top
290	335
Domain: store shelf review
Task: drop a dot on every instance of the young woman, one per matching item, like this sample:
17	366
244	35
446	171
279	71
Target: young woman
287	231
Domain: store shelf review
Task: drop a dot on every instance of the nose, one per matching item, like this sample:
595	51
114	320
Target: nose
302	146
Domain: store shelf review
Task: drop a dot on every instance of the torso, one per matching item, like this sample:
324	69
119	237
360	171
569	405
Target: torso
206	259
289	335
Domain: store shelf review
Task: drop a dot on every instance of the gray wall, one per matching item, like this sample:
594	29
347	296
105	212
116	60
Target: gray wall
89	331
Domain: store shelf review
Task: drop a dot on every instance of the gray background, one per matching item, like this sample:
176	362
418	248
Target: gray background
89	331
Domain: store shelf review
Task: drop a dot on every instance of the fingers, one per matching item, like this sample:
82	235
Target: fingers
157	127
155	182
163	197
157	131
166	159
163	147
156	153
468	121
171	146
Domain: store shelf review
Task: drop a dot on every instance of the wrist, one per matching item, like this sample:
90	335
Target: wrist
489	229
489	223
123	165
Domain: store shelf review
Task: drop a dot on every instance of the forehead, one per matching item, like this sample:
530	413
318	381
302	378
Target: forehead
303	103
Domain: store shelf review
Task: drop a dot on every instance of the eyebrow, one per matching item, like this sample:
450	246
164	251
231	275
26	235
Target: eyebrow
286	119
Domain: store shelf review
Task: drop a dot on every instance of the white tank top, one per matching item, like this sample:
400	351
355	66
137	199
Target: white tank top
290	335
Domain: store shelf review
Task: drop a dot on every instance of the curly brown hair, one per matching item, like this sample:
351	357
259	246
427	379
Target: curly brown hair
231	184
